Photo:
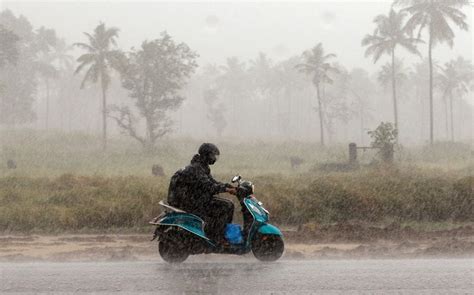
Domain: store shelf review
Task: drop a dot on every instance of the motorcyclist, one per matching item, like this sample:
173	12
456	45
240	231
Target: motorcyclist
197	191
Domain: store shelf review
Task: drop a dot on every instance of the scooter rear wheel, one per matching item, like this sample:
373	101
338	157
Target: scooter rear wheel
172	252
267	247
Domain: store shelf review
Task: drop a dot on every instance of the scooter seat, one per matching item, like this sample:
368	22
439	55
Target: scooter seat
167	207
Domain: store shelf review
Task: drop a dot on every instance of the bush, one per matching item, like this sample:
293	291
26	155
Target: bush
71	203
371	196
462	200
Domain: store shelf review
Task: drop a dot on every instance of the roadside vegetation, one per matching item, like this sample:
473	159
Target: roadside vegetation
72	203
62	184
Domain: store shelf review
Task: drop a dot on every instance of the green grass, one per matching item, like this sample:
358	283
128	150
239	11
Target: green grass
73	203
53	154
65	183
50	154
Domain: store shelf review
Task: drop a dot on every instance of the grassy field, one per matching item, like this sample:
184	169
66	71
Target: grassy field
65	183
51	154
43	154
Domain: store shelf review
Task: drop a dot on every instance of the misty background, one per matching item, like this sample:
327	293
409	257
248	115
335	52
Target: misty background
247	53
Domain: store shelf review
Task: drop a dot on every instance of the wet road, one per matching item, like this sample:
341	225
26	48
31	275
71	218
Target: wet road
419	276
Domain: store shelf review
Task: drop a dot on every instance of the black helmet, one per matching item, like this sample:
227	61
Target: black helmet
209	153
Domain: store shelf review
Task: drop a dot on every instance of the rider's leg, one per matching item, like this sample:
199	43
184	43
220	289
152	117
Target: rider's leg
222	211
227	208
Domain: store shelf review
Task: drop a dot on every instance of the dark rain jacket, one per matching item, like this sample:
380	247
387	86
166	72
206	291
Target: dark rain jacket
195	187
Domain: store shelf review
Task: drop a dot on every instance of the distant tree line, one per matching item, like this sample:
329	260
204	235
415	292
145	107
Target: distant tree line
160	74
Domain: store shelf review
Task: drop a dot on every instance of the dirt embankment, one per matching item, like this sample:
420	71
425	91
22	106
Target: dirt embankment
335	241
361	240
367	233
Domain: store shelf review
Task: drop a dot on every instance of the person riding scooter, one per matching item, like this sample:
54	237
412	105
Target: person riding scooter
194	190
181	233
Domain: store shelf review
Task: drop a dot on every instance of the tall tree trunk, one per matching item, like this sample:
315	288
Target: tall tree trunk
420	96
70	115
394	95
47	103
104	116
446	117
430	45
452	119
320	110
288	97
150	138
361	112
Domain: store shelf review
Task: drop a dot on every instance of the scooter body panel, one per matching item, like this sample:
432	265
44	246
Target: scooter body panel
186	221
259	214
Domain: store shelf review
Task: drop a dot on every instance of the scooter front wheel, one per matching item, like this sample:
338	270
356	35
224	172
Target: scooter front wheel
267	247
171	252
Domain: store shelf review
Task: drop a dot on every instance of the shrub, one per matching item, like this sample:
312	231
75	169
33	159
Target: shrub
70	202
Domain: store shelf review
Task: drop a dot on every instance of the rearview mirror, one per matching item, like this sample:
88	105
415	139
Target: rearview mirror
236	178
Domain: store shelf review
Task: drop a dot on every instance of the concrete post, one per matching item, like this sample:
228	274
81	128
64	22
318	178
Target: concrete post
352	153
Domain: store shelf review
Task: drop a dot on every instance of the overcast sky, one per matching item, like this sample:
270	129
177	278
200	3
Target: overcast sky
217	30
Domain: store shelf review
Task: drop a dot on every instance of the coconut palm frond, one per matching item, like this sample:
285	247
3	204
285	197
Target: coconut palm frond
435	15
389	33
378	52
92	41
87	58
112	34
409	45
81	67
92	75
315	63
100	57
85	46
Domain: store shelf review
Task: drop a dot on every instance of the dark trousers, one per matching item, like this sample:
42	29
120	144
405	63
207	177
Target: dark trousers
217	215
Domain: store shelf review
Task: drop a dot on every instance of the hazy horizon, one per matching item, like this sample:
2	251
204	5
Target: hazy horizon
218	30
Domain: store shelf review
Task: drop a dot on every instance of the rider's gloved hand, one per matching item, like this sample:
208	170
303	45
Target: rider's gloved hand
231	190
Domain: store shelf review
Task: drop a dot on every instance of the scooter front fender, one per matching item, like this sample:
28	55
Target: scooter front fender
268	229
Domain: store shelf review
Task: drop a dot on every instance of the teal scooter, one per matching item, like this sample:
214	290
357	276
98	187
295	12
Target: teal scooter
181	234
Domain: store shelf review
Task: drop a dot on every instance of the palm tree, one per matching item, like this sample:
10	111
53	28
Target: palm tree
434	15
336	102
8	46
388	72
362	88
100	58
53	64
417	78
388	34
45	42
64	62
316	63
286	84
285	81
48	72
61	55
233	83
261	71
455	78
